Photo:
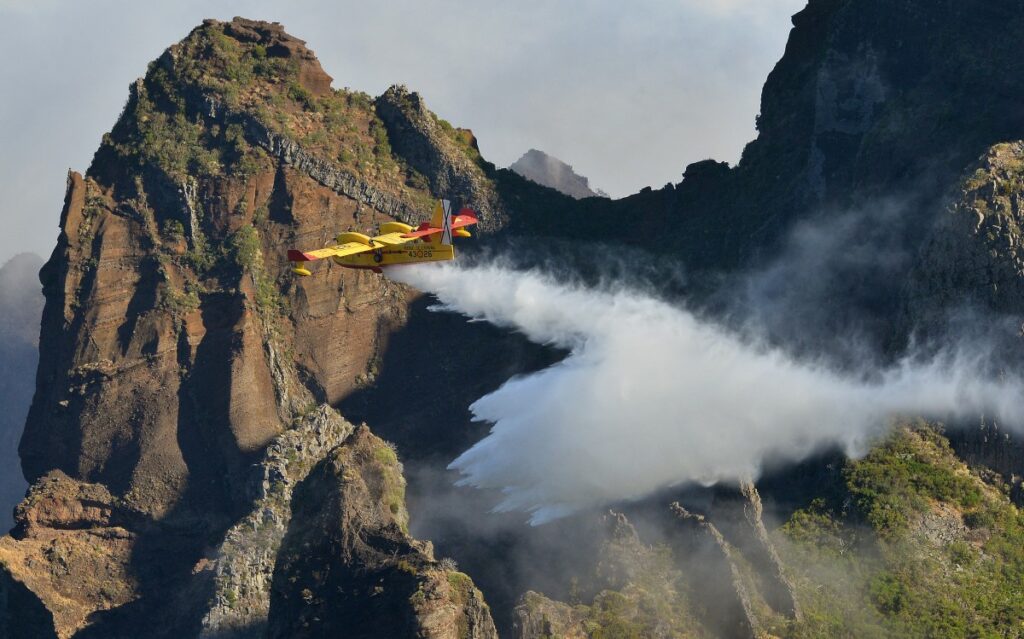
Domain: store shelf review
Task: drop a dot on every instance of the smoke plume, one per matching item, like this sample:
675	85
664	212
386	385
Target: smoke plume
653	396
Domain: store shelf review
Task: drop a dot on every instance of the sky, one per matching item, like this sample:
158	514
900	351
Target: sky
627	93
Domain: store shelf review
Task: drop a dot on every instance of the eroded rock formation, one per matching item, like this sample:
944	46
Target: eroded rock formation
348	565
184	371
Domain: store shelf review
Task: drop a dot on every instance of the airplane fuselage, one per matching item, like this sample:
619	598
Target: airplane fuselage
397	243
410	253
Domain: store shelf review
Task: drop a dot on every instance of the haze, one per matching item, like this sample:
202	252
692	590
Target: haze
628	93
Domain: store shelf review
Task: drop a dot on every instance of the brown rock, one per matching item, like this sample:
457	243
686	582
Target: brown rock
176	346
71	559
272	36
348	566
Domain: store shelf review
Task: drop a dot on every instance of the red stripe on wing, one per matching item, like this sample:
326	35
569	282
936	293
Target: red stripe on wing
466	217
299	256
422	232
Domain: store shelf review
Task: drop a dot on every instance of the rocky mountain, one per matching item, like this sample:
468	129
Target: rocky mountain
21	305
538	166
186	378
875	107
196	446
377	581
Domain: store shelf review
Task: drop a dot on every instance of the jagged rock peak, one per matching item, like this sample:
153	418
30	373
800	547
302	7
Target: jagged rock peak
537	166
69	560
275	42
449	157
972	253
348	565
245	561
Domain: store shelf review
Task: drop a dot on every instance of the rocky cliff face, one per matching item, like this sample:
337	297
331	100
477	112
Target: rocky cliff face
244	565
972	256
967	279
70	556
348	566
716	574
538	166
176	407
449	158
21	304
860	107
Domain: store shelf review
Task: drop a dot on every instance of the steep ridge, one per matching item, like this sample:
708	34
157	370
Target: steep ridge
968	278
376	580
177	405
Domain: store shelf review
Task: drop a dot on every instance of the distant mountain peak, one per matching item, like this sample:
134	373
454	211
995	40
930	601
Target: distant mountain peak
547	170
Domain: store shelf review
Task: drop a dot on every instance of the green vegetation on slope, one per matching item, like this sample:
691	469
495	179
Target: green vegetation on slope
641	591
917	547
340	125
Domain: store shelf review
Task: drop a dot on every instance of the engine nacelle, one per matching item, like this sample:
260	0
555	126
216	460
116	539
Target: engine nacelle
352	236
395	227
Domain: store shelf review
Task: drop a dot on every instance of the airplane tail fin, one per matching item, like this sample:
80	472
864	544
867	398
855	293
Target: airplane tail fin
437	219
446	225
442	219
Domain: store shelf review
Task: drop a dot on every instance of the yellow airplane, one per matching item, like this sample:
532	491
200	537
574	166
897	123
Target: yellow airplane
397	243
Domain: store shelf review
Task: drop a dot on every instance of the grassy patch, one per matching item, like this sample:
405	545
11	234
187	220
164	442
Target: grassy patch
905	474
873	569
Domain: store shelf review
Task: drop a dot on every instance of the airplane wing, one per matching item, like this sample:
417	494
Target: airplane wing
339	250
466	217
392	239
349	248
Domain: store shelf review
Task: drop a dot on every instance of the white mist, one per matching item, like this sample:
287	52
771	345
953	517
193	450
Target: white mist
651	397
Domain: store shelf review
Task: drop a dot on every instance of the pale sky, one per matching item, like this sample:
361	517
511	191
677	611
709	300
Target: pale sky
628	93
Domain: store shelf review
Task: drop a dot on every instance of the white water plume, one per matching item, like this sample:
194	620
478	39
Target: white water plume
651	396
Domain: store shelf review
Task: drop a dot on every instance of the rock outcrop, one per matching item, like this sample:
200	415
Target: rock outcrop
632	589
538	166
69	558
245	561
184	370
448	157
348	565
717	573
724	593
537	616
974	255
